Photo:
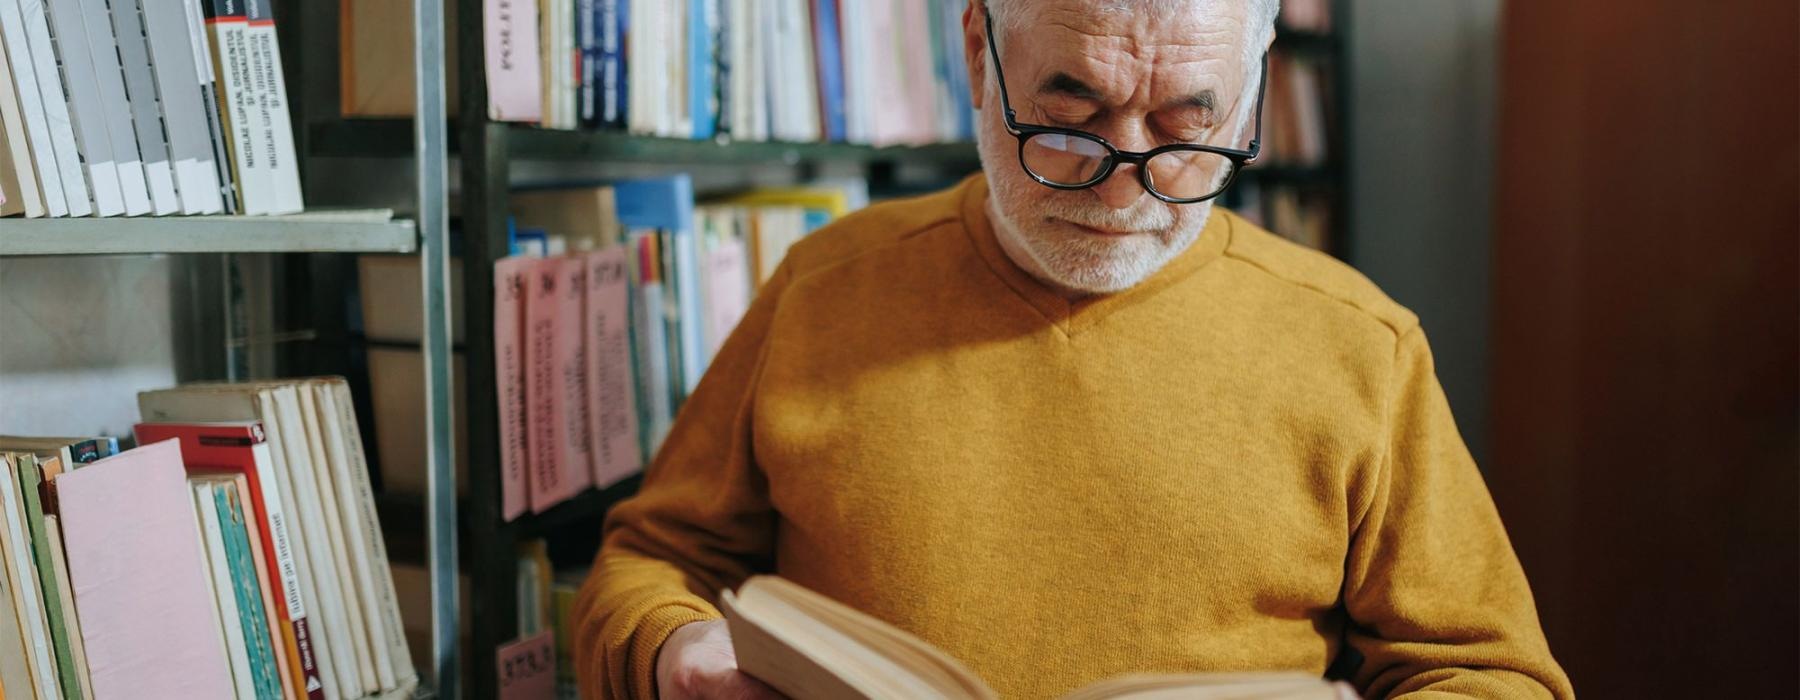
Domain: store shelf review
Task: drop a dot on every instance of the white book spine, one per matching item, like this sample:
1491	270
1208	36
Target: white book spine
109	83
37	629
273	434
388	600
181	101
355	534
284	169
146	112
56	108
87	113
218	566
242	109
317	535
209	84
18	142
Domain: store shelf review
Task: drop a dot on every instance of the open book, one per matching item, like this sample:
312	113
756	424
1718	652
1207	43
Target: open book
809	646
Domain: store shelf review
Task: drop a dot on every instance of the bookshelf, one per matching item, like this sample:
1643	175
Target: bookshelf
343	231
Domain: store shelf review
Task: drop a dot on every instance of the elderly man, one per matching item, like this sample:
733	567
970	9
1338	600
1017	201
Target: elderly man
1068	420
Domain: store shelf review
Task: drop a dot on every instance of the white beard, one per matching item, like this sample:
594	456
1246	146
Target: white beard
1085	262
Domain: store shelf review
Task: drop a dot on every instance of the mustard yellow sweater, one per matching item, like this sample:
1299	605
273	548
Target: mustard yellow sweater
1245	462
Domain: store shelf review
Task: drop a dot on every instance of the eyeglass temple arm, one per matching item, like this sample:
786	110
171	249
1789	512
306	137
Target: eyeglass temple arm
999	75
1261	89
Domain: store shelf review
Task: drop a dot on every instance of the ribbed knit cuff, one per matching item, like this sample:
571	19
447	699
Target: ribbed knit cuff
652	631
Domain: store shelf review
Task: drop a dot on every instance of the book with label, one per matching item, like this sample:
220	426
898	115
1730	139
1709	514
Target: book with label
269	85
135	567
511	56
511	278
613	415
559	466
809	647
242	448
240	107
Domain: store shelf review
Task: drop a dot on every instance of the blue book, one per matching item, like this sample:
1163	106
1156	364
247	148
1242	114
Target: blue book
667	203
829	53
702	105
612	63
246	590
587	42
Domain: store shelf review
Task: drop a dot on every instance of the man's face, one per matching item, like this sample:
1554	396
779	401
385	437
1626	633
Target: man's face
1138	81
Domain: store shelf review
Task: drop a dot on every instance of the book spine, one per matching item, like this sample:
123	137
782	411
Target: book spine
146	115
510	53
649	344
277	544
510	280
31	484
724	57
179	101
309	603
318	537
212	110
251	618
224	590
240	105
572	378
270	85
587	35
77	647
56	109
345	475
356	621
109	87
387	601
543	399
613	15
614	416
29	596
28	134
831	68
702	107
277	641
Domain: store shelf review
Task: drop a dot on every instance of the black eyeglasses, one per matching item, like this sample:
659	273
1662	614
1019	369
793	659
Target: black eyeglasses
1071	159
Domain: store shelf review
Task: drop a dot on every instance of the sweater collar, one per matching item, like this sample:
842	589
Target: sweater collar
1076	316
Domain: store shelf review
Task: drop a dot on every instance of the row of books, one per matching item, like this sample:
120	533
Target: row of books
606	316
1302	214
1298	110
546	598
870	71
143	107
234	553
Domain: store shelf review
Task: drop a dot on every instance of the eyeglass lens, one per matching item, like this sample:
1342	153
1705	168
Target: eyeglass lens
1075	161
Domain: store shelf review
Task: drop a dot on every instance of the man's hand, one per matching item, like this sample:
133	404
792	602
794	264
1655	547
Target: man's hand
697	663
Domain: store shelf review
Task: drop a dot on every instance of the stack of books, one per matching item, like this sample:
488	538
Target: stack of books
879	72
141	107
235	553
606	315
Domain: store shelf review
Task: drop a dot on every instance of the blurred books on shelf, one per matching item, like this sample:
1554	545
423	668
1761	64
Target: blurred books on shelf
141	108
881	72
234	553
615	298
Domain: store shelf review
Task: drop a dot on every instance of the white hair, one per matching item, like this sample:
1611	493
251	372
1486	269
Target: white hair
1261	27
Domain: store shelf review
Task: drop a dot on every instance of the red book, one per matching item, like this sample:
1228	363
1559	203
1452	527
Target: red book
239	448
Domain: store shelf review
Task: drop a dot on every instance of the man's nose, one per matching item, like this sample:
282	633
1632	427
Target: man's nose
1121	189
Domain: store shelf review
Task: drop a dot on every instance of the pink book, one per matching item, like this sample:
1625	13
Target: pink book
921	81
544	409
148	622
572	373
511	55
614	412
727	290
510	283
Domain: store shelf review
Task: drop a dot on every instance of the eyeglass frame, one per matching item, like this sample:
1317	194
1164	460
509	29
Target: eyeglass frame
1025	132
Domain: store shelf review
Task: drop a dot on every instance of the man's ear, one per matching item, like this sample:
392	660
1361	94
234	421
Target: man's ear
975	49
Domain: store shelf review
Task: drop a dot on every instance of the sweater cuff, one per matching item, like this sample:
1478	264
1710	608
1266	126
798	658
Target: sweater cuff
647	642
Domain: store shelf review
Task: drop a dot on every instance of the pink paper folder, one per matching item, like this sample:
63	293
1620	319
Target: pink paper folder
511	52
149	625
511	280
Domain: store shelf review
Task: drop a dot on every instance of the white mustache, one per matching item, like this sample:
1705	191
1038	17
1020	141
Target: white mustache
1147	217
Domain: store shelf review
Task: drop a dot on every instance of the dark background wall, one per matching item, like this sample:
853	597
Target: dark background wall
1645	421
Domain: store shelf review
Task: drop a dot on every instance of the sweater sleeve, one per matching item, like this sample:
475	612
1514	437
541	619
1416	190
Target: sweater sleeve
1438	604
701	522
